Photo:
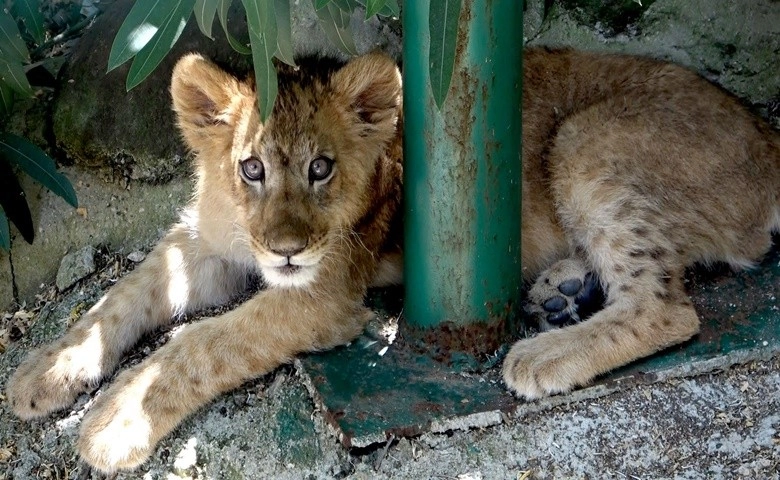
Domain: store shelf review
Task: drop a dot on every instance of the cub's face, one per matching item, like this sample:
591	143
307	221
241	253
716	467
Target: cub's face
301	181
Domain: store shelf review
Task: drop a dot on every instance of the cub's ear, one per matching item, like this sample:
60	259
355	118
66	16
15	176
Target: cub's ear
372	85
205	97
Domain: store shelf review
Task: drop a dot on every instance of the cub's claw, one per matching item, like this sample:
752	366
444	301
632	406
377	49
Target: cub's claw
565	294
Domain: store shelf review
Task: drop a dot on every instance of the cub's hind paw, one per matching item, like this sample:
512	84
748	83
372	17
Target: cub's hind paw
564	294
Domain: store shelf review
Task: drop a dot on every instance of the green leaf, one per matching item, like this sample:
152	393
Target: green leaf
320	3
12	46
37	164
443	25
6	98
391	9
261	20
30	13
5	234
374	6
12	74
347	6
158	47
205	10
284	47
14	202
336	25
224	7
142	23
340	13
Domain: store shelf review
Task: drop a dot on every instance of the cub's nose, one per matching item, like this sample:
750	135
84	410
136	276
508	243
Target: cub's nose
288	235
287	246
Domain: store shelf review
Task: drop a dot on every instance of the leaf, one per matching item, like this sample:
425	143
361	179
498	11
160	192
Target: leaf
261	20
320	3
284	47
205	10
141	25
37	164
443	25
374	6
12	74
336	25
13	201
11	43
30	13
346	6
224	7
158	47
340	14
6	98
5	234
391	9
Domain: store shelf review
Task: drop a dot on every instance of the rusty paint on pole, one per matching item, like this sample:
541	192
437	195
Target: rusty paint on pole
462	178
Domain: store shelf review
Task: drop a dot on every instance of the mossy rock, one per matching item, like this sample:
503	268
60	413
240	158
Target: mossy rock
98	124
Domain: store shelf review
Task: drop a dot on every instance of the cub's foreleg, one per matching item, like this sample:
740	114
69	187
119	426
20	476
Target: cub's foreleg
179	275
206	359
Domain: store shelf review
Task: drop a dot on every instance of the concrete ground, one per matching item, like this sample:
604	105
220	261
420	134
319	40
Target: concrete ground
720	425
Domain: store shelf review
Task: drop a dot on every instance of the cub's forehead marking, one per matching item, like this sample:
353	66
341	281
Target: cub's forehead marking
299	151
247	132
291	135
243	152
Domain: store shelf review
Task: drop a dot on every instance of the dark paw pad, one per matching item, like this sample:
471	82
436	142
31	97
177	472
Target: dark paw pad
564	294
557	310
591	298
555	304
571	286
559	319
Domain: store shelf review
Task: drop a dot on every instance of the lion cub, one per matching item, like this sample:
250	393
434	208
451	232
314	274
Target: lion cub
306	200
633	169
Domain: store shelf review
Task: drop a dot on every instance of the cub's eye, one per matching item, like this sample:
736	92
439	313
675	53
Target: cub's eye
320	168
253	169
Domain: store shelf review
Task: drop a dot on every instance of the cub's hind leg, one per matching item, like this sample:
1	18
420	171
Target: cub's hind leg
631	326
630	232
646	309
178	276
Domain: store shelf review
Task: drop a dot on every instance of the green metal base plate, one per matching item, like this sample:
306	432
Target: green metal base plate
372	389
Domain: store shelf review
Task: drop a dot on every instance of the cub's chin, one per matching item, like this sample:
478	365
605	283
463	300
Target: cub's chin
289	276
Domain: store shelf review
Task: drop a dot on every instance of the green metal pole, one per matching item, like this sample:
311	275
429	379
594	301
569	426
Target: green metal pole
462	176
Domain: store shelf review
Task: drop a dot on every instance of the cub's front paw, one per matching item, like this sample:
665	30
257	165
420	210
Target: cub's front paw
122	427
51	378
542	366
564	294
